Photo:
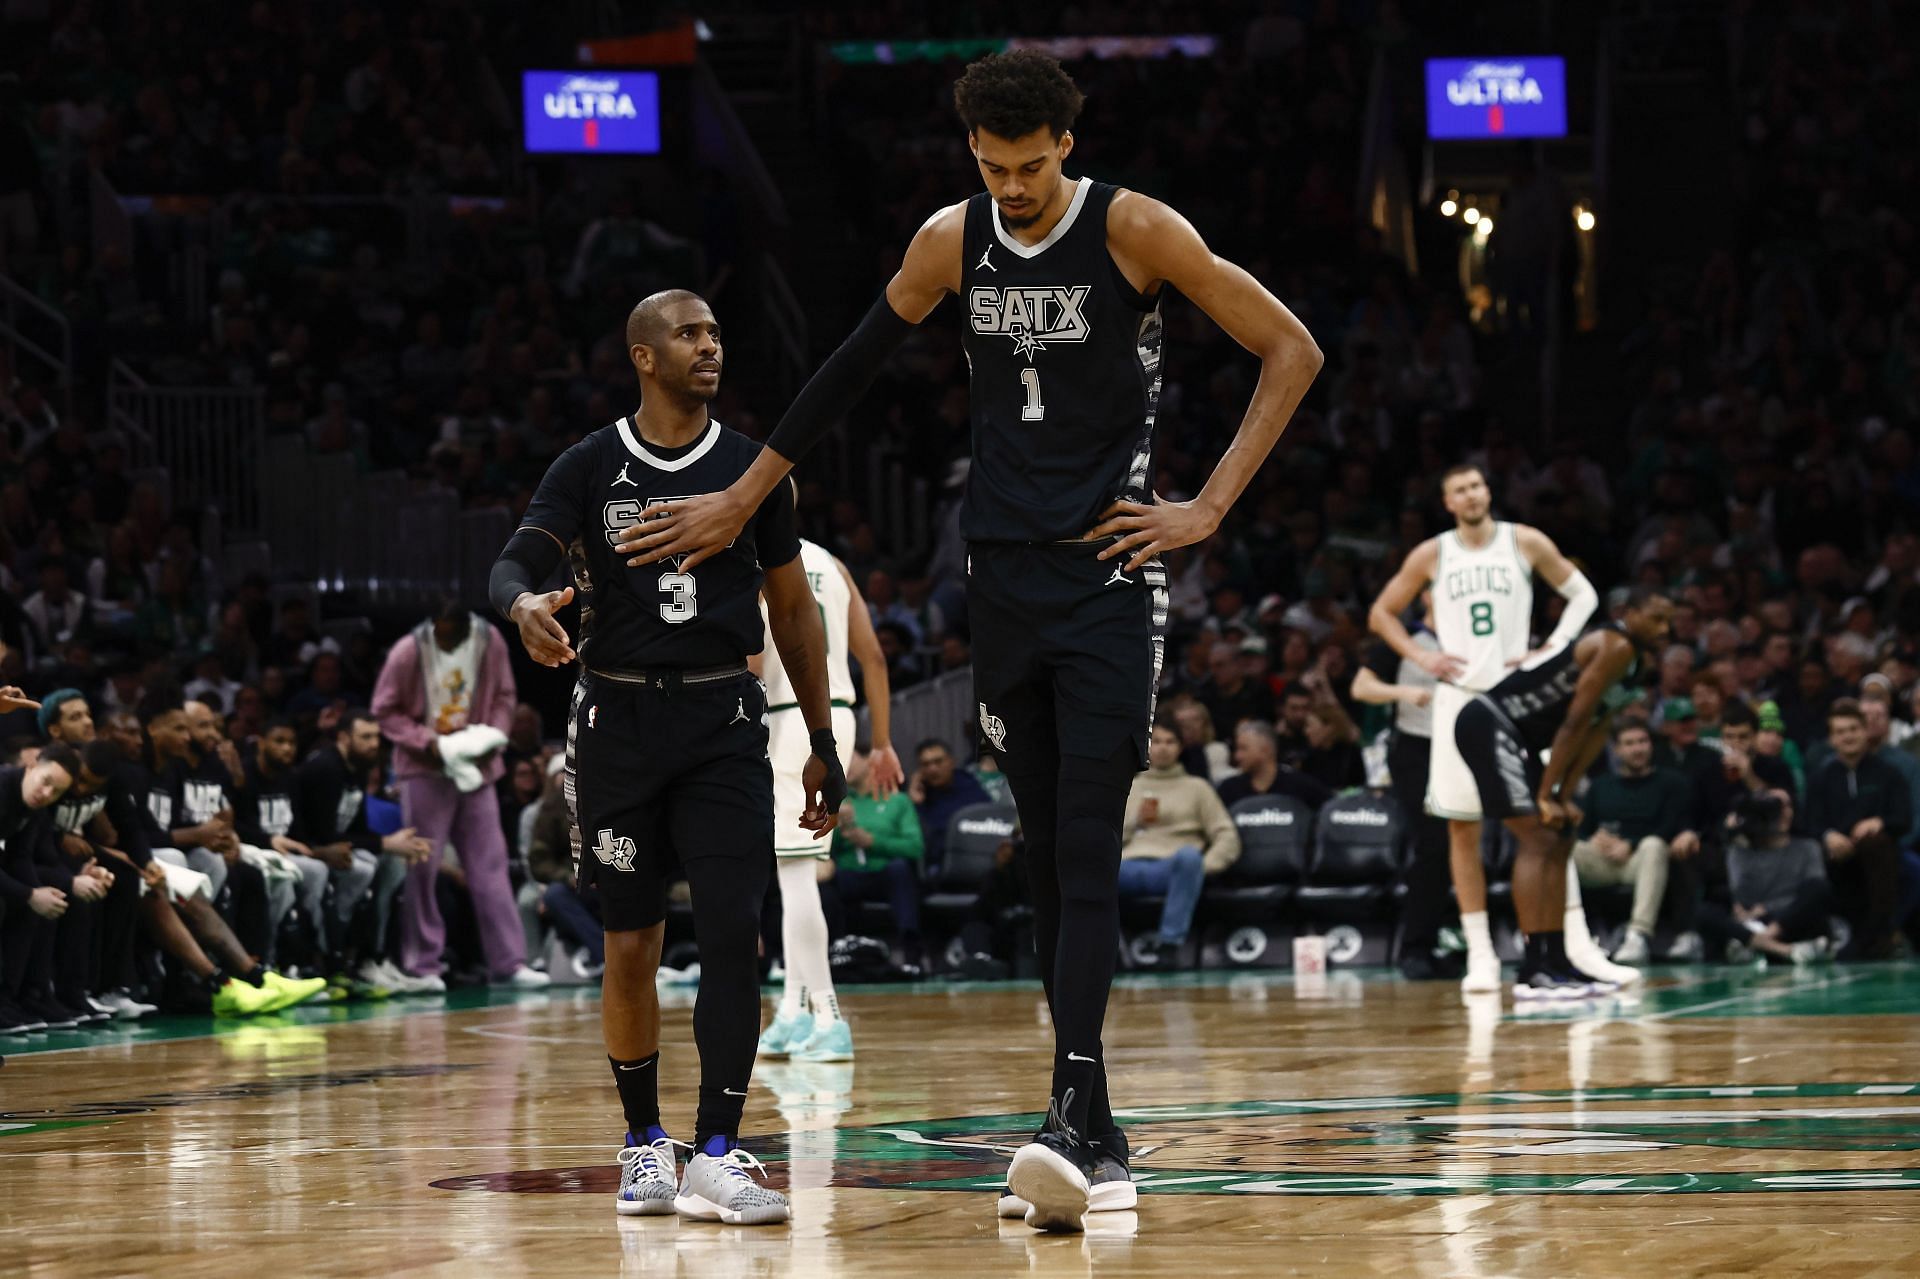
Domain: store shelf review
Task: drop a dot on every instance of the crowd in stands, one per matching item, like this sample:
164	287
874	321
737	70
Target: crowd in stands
1765	472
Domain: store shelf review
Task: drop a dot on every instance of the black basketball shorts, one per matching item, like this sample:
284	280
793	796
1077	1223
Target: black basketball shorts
1506	771
665	778
1067	649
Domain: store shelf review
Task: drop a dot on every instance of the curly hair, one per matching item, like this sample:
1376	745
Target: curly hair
1011	94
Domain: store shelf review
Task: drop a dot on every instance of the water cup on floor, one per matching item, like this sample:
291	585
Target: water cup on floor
1310	956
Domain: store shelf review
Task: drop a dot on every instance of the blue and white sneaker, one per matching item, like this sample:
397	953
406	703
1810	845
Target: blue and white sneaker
649	1179
720	1188
830	1041
786	1034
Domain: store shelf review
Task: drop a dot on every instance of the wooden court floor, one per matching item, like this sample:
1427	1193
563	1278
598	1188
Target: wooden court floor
1722	1124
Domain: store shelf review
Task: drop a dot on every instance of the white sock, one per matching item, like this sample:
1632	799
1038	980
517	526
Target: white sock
803	930
1479	937
1575	928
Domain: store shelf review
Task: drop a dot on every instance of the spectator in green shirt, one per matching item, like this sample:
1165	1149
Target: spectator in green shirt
1633	815
876	855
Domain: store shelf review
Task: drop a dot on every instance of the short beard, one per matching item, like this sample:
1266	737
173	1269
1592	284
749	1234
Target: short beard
1020	224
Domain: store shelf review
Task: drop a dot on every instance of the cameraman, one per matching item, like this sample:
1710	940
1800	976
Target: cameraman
1777	884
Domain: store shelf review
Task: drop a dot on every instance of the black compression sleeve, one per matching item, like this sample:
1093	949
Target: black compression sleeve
831	393
529	559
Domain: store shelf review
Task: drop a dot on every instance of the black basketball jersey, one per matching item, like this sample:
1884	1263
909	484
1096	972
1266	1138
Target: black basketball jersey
1065	362
657	615
1536	698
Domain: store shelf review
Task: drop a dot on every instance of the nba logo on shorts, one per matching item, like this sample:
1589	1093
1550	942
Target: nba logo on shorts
994	728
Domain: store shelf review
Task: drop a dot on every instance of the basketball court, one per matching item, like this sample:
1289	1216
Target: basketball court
1727	1121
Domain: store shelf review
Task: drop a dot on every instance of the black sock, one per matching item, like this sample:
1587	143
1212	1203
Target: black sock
1073	1074
252	976
639	1085
1546	950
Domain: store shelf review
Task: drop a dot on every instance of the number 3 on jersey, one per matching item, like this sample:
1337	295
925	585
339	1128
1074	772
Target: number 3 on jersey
681	606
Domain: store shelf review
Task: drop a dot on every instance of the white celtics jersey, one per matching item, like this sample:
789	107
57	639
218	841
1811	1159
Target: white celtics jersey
1483	605
835	597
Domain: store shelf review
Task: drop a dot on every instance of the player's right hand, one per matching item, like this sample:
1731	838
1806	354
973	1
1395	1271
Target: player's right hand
1444	667
692	528
545	639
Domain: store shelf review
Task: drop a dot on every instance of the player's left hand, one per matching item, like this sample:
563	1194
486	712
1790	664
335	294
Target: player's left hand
884	773
698	528
826	786
1146	529
1558	814
12	699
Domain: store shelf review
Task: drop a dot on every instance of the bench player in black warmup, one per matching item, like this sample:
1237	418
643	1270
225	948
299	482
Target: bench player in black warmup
669	740
1528	741
1060	282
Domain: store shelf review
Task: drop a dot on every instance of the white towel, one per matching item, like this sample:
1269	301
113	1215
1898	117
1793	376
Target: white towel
273	863
184	883
461	751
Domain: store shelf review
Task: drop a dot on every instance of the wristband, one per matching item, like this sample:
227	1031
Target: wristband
833	789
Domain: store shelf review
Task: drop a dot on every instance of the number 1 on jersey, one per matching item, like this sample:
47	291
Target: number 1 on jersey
1034	411
683	607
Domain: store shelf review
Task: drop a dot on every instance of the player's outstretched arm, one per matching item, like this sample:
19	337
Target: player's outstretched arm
793	617
1152	242
529	559
699	527
883	769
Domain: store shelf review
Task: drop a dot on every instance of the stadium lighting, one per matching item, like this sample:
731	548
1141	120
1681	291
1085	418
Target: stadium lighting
1448	208
1471	216
1584	219
1483	228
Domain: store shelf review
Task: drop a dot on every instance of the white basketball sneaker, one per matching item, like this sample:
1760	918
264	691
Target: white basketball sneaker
1483	973
719	1188
649	1180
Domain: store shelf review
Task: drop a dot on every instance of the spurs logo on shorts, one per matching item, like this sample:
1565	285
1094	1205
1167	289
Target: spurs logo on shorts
617	853
993	727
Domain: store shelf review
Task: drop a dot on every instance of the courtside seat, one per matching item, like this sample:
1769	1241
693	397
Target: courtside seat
974	837
1276	840
1359	852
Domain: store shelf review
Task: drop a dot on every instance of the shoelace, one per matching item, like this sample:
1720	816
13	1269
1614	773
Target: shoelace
739	1160
1057	1116
651	1162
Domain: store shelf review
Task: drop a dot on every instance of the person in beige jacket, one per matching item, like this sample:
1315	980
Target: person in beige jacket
1176	833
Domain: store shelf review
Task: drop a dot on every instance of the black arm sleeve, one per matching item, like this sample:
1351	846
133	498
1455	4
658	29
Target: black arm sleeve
530	558
831	393
776	531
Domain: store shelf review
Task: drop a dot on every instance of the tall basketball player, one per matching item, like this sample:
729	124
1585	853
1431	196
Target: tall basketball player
808	1025
1482	579
1060	281
1528	741
669	740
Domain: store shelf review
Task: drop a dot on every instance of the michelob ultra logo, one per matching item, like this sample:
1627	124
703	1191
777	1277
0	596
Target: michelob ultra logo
614	111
